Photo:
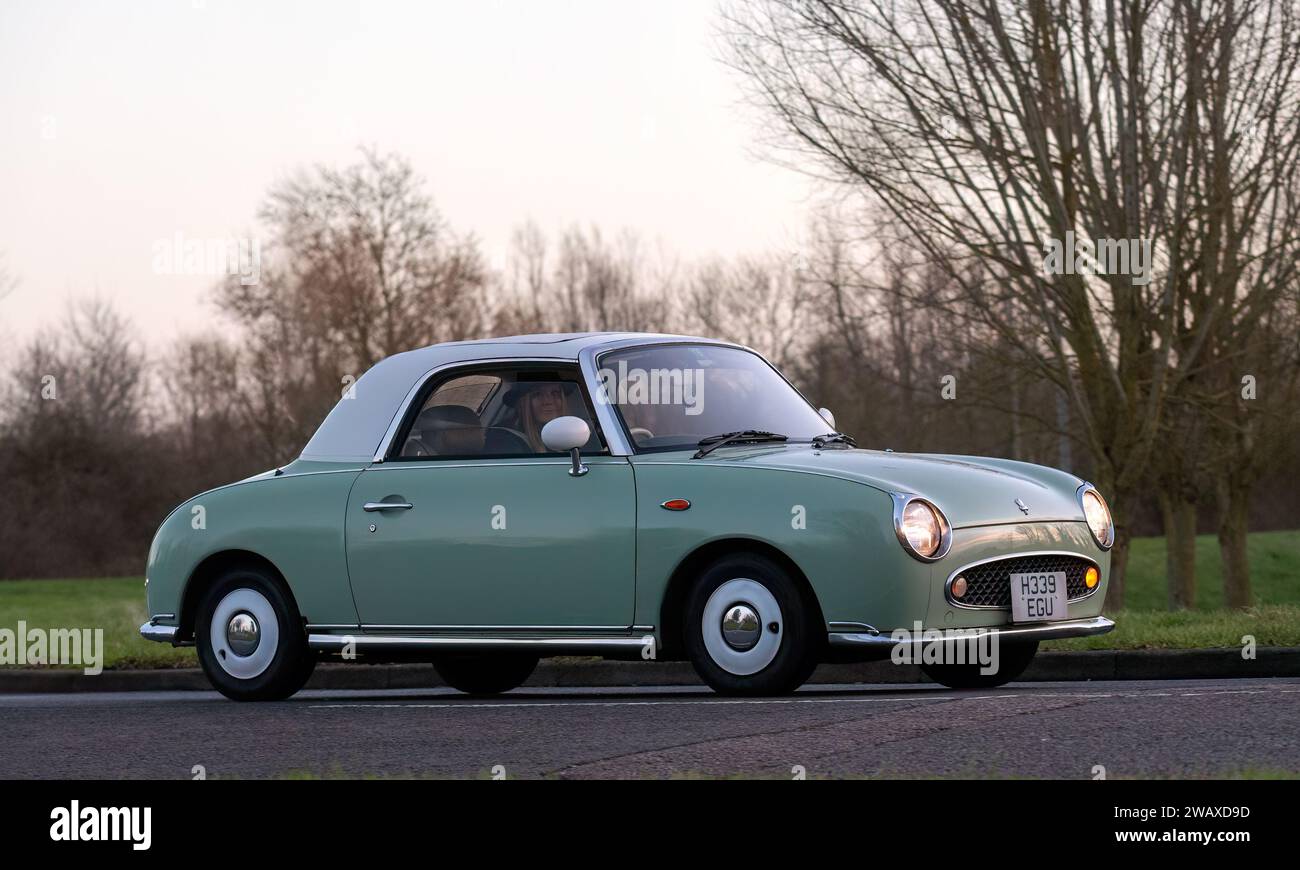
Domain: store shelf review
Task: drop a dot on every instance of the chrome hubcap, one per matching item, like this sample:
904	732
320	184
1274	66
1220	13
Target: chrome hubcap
741	628
243	634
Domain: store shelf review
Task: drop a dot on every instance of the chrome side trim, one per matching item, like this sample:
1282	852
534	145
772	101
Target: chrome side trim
158	633
852	627
326	626
540	645
490	628
859	640
1043	631
947	584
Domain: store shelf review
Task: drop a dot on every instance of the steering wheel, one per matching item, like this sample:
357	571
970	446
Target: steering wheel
640	433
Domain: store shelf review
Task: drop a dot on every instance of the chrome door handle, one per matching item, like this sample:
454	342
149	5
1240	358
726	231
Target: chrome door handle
372	506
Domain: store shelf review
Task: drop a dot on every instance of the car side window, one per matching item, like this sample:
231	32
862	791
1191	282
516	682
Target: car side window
497	413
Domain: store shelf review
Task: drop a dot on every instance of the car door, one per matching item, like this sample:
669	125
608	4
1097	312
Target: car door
496	535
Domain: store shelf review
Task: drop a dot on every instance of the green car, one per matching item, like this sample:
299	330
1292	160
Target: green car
482	504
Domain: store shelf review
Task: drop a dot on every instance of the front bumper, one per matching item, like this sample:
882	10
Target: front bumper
1045	631
159	633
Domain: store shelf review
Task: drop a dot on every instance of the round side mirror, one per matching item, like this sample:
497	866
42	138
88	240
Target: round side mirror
825	412
565	433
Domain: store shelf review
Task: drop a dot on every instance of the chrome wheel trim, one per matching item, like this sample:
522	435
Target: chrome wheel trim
243	633
741	627
755	596
254	604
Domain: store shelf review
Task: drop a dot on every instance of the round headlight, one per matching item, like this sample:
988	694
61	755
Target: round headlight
1097	514
921	528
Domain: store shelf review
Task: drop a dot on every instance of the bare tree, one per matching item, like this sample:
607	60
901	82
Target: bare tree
361	266
758	302
990	127
589	283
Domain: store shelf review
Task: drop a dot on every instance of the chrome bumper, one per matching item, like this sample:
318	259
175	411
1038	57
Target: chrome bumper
1043	631
159	633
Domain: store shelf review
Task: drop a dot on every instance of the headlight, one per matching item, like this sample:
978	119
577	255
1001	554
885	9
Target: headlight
1097	515
921	527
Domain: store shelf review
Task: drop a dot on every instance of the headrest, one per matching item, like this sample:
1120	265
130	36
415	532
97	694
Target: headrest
443	418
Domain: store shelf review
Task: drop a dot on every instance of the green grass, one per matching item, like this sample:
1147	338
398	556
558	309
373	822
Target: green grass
1274	571
1145	624
117	606
1270	625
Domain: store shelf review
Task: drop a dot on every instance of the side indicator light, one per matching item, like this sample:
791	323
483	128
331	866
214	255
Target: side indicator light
1091	578
675	504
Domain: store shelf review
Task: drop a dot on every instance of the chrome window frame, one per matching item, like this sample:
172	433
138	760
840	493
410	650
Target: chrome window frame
589	359
394	427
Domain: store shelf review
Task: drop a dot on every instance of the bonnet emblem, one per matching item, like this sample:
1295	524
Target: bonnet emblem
1024	508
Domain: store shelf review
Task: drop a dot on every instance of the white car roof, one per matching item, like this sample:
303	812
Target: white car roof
356	426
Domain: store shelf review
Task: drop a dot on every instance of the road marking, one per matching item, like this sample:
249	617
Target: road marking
478	705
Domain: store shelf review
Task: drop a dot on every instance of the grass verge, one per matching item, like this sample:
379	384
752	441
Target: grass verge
116	605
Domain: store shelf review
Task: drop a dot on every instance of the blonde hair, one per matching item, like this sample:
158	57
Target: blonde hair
528	423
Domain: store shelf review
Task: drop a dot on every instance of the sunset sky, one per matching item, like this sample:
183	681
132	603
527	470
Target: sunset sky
127	122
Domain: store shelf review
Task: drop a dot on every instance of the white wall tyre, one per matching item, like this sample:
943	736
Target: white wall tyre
749	629
250	638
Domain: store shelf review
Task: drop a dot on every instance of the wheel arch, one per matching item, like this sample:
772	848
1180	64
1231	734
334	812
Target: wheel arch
209	570
672	644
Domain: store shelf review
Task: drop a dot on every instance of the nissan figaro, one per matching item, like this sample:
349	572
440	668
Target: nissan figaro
483	504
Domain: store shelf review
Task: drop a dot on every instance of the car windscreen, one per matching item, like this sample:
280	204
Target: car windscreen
671	396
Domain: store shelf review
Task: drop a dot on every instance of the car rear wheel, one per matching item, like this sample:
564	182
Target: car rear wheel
748	630
250	638
1012	660
485	674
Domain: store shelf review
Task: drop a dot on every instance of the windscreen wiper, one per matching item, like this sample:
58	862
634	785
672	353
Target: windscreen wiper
834	438
745	436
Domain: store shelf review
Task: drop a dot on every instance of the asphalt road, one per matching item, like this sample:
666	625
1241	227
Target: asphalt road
1133	729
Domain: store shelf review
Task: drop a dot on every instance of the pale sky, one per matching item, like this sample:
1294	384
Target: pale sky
123	122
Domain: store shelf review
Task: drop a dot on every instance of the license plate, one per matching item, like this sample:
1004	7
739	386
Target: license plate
1038	596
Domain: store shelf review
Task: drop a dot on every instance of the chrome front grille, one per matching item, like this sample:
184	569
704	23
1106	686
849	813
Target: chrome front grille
988	584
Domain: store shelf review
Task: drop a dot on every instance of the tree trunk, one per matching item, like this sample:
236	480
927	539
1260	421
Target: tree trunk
1234	513
1179	517
1118	570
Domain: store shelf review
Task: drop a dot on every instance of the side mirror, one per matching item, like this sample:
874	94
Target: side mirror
827	416
568	434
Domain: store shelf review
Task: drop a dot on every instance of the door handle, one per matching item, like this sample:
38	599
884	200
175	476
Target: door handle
372	506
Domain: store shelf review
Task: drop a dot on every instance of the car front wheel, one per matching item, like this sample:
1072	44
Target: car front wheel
748	630
250	638
1012	660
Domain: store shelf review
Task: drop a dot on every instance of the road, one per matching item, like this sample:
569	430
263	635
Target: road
1132	729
